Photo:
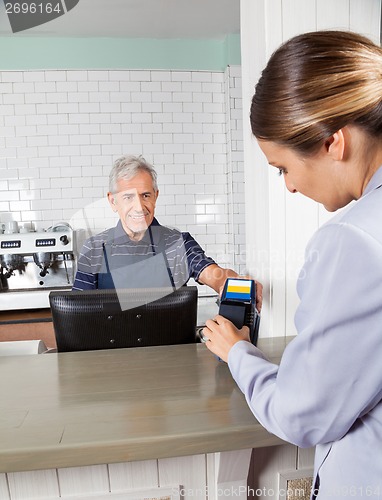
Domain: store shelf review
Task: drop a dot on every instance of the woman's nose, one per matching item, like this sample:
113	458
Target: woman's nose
290	187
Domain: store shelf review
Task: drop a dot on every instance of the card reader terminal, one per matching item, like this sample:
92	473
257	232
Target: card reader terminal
238	304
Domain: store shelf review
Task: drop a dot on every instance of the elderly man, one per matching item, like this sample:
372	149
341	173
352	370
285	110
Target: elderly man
139	252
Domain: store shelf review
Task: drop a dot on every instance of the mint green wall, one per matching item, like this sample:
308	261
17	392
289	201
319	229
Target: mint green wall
20	53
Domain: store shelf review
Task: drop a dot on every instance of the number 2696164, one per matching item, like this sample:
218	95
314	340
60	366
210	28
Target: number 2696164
33	8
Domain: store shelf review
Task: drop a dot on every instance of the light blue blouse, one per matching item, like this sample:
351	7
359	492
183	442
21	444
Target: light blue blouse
327	390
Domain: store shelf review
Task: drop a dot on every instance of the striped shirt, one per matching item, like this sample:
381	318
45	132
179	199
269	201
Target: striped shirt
184	256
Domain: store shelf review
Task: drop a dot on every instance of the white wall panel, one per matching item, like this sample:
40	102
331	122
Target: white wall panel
132	475
253	53
331	15
91	479
298	16
301	214
4	492
277	194
365	18
189	472
265	465
212	476
274	15
36	485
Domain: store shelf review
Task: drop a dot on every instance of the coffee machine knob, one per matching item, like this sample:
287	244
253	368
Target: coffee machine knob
64	239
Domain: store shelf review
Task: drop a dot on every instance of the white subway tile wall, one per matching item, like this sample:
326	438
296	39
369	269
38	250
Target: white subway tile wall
60	132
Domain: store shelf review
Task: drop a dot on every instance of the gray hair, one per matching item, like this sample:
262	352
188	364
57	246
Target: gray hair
128	166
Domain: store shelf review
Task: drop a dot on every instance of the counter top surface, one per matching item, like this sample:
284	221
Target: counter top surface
85	408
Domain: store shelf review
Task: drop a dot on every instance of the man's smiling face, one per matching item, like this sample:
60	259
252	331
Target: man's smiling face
134	202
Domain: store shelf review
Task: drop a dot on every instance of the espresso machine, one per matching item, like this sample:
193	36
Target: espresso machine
37	260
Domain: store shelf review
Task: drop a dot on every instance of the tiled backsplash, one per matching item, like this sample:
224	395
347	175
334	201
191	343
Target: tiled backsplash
61	130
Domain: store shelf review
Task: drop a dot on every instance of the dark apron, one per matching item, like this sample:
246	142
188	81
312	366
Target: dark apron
135	271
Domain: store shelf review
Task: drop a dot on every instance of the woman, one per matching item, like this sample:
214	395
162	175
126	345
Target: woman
317	116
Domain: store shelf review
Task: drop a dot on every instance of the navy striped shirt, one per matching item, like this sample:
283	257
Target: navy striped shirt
185	258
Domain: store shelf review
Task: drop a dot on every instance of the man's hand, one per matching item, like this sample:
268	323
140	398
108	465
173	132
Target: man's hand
215	277
220	335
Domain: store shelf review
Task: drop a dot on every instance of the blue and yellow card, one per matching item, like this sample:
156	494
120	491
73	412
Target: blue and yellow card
238	289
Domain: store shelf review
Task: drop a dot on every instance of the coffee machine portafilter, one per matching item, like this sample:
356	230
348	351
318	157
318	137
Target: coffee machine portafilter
43	260
10	263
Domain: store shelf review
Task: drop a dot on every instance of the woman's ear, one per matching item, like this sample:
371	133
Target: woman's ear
335	145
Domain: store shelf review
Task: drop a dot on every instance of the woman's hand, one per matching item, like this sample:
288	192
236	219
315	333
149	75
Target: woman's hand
220	335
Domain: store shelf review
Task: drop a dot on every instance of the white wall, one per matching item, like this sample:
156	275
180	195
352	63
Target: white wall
61	130
278	223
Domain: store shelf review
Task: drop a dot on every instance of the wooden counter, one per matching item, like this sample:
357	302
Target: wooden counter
86	408
25	315
27	324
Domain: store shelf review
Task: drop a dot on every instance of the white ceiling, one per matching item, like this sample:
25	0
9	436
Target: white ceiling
195	19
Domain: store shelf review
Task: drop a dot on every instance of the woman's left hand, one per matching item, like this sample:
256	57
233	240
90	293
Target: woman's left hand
220	335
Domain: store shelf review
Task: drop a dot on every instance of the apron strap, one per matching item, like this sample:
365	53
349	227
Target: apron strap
105	258
162	249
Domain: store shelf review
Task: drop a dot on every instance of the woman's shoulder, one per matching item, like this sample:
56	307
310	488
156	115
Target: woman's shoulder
363	216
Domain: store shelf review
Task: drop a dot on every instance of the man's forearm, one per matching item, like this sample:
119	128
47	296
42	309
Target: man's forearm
215	276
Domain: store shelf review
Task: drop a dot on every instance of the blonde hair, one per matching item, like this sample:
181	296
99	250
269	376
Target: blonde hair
315	84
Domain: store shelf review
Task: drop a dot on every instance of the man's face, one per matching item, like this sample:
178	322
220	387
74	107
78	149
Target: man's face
134	202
